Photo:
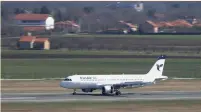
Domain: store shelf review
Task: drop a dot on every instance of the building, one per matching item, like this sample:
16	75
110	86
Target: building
121	27
67	26
129	27
35	22
26	42
41	44
113	31
165	26
33	42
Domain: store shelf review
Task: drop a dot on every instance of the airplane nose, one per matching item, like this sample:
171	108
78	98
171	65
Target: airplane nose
61	84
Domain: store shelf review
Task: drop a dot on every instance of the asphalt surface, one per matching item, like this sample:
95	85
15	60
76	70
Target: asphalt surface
70	56
66	97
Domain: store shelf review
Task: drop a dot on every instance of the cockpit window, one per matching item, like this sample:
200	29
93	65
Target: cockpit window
67	79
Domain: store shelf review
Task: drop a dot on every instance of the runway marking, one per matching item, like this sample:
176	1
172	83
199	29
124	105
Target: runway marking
66	97
17	98
109	99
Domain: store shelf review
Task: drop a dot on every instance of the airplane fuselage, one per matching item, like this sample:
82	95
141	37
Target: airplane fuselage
112	82
94	81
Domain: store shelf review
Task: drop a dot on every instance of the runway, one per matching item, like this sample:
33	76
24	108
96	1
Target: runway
67	97
74	56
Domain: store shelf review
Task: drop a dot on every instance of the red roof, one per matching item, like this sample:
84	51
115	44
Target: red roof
175	23
34	28
152	23
32	38
68	23
41	39
27	38
182	23
128	24
31	16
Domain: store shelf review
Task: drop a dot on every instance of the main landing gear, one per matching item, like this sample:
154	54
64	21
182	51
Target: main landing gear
117	92
74	91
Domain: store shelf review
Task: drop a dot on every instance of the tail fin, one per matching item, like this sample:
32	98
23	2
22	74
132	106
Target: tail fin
156	71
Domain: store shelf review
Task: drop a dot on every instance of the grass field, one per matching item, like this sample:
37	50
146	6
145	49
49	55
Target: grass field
117	106
137	36
166	43
50	68
96	52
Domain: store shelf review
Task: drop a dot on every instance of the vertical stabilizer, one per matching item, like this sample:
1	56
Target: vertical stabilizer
157	69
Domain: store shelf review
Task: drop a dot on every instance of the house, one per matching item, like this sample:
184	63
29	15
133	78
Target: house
129	26
26	42
68	26
165	26
149	27
122	27
41	44
35	22
114	31
33	42
181	23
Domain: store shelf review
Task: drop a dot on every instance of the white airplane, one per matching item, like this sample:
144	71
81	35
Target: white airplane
110	84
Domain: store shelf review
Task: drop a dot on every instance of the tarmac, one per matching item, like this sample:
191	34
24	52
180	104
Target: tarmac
68	97
74	56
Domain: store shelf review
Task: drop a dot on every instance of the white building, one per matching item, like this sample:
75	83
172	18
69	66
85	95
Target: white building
33	22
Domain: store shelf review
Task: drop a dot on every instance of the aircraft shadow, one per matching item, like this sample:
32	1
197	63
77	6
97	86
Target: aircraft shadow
91	94
131	94
113	95
122	95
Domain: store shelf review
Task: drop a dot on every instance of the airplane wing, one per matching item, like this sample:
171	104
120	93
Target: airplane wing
122	84
109	83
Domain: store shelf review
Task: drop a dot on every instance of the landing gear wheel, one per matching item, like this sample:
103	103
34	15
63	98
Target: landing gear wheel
74	92
103	93
117	93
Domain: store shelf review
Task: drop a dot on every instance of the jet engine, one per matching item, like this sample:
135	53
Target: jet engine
87	90
108	89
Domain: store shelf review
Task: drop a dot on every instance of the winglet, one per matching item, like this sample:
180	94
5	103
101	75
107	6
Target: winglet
162	57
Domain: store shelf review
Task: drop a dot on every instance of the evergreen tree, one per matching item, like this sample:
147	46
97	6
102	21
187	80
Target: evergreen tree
18	11
58	16
44	10
88	10
36	11
151	12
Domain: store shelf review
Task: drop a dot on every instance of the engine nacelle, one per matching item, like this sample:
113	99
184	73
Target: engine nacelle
108	89
87	90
